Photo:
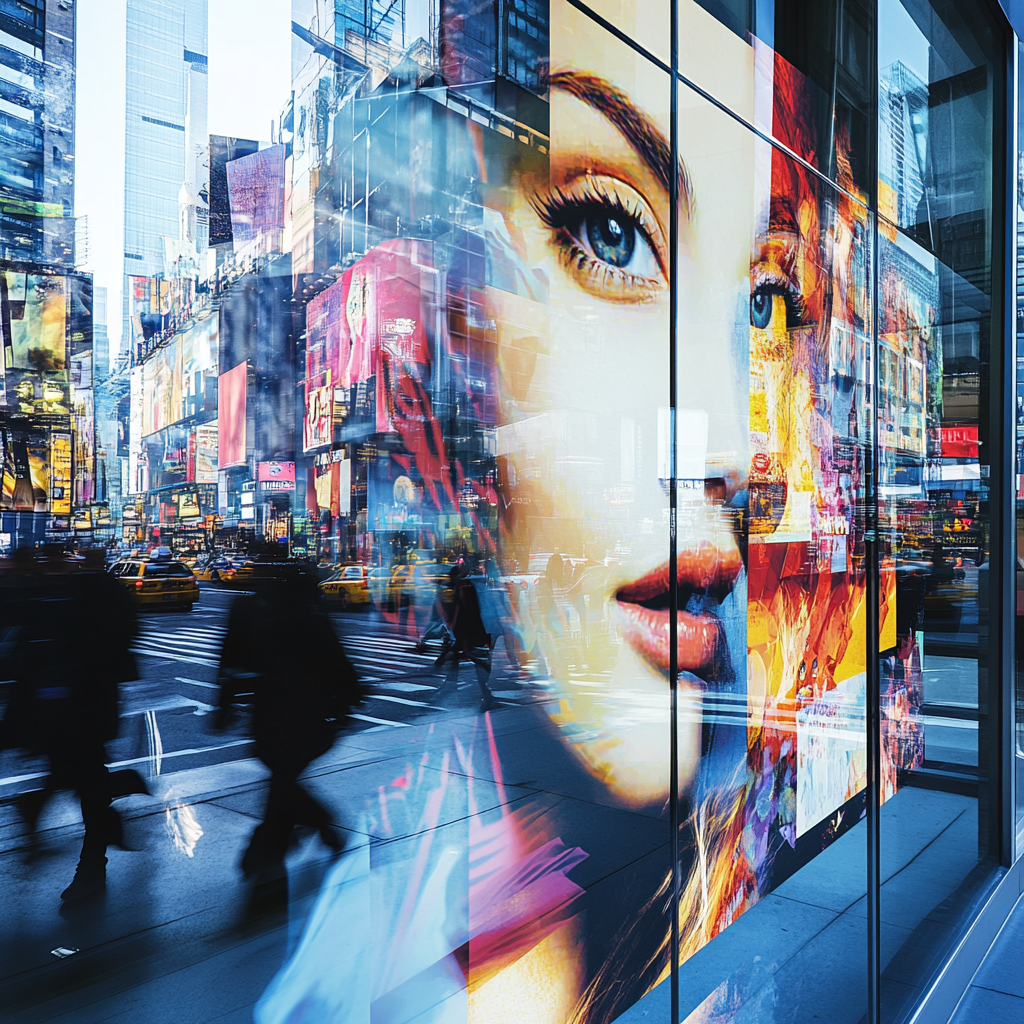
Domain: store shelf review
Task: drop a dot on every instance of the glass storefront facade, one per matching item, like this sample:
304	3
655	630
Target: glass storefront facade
640	385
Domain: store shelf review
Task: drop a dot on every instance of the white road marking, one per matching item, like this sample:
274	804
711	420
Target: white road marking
400	700
380	721
196	682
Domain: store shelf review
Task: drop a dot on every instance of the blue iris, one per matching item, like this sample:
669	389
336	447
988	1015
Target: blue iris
762	303
612	241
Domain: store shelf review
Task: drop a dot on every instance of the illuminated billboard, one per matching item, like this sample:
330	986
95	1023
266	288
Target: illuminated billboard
178	377
35	337
206	453
276	476
231	397
256	193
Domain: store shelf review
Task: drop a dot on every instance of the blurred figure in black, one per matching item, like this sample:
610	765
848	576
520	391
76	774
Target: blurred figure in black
472	641
281	656
70	628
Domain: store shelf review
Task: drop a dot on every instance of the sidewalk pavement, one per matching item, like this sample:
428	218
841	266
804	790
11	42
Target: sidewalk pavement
996	995
169	940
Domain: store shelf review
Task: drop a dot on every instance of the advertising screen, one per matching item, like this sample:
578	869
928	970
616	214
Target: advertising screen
526	410
60	474
276	476
318	425
179	376
231	395
206	453
38	326
256	191
138	467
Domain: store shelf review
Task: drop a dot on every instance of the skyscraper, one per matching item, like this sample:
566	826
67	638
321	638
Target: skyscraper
37	132
100	339
166	144
902	141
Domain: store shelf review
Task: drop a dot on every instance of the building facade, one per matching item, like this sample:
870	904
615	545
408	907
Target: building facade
46	408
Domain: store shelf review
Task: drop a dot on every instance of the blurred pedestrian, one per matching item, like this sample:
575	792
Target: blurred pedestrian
281	656
555	570
69	629
472	641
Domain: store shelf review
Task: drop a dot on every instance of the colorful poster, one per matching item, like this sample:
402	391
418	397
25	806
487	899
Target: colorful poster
256	191
318	425
276	476
37	307
179	377
60	474
206	453
231	392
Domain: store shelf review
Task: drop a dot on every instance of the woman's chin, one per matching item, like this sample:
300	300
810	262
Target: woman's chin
619	729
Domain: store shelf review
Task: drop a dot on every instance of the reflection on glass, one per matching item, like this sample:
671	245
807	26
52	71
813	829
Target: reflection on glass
408	417
934	338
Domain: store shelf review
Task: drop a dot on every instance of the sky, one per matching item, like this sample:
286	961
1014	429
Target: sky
250	81
899	39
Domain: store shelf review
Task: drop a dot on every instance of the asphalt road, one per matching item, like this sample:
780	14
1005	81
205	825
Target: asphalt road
166	712
166	721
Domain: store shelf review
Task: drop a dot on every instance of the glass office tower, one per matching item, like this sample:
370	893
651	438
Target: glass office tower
598	457
166	212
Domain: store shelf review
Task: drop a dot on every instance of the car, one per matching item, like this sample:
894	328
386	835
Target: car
159	580
219	569
349	586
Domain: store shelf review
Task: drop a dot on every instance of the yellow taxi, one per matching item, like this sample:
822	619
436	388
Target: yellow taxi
219	569
349	586
157	580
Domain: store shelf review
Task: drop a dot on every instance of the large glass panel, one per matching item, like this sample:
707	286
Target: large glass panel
939	78
776	812
350	479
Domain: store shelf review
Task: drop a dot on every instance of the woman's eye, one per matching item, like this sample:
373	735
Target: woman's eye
771	307
606	238
614	239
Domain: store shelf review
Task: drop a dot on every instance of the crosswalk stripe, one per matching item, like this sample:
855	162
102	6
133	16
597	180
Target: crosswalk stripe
158	653
182	648
381	721
156	638
399	700
397	666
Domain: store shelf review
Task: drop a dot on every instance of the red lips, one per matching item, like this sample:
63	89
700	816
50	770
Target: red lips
702	566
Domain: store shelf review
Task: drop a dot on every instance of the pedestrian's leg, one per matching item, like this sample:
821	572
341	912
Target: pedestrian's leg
309	811
481	658
88	772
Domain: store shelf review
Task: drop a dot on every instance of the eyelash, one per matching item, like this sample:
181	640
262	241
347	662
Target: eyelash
562	213
774	282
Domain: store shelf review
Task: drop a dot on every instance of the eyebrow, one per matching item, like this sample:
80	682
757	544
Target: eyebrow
632	123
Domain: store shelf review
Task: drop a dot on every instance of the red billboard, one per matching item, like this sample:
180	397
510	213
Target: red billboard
960	442
231	416
276	476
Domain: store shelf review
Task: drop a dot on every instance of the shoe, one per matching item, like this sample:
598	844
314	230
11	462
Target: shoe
489	704
89	880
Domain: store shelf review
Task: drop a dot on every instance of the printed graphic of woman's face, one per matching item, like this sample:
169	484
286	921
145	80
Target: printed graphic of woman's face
586	396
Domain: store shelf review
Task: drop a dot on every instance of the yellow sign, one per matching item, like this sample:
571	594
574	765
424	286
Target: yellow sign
60	474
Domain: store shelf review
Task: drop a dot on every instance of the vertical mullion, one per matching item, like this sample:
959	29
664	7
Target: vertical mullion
1001	476
873	569
673	598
